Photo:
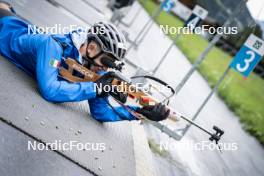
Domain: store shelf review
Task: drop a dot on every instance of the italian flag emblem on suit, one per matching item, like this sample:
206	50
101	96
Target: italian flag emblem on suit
54	63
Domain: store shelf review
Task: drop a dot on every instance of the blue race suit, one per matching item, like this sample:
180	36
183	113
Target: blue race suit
40	54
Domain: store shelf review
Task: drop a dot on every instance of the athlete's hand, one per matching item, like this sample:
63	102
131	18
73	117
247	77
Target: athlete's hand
157	112
120	96
104	87
104	84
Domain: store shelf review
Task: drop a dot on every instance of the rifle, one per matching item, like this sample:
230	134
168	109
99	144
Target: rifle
140	97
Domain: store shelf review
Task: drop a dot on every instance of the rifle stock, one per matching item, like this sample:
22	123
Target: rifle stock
142	98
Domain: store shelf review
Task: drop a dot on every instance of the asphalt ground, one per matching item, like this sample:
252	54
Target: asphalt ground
247	160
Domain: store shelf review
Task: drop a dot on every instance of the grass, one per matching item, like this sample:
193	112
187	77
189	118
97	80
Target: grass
244	97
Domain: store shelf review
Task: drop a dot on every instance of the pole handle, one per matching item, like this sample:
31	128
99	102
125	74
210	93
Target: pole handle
217	135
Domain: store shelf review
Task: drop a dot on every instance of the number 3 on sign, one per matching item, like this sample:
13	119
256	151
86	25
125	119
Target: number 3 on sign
248	56
247	62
